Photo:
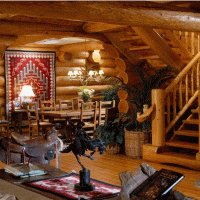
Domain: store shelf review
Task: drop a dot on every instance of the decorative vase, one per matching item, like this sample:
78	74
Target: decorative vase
134	141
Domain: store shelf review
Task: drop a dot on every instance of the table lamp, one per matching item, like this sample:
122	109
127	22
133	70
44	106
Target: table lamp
26	94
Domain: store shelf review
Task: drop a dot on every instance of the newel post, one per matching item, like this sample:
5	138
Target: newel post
158	118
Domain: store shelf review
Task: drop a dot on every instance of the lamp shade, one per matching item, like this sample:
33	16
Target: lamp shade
27	91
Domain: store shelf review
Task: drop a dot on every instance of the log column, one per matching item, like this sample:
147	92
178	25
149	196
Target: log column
158	118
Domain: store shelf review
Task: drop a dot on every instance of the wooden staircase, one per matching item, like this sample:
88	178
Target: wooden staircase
186	138
159	47
163	48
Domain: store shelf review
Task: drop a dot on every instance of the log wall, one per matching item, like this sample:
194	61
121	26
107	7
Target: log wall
68	88
70	61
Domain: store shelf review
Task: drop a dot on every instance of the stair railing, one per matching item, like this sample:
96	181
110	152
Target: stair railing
183	89
190	40
182	92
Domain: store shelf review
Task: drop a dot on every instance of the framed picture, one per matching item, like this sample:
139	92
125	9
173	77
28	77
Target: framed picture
16	105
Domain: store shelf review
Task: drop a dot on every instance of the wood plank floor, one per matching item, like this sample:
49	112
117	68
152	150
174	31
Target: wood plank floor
107	167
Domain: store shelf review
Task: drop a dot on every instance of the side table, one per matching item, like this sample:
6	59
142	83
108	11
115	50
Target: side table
17	117
10	184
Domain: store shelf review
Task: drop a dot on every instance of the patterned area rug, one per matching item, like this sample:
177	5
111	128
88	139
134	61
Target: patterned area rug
65	187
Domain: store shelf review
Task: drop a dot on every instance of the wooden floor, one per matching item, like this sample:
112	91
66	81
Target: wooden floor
107	167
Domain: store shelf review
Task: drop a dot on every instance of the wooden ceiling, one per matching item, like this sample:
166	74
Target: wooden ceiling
54	24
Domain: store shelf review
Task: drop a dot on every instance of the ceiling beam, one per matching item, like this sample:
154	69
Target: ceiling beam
82	46
27	28
100	27
121	13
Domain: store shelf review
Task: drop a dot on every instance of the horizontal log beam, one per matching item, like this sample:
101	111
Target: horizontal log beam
63	71
82	46
100	27
120	13
73	90
2	71
7	39
27	28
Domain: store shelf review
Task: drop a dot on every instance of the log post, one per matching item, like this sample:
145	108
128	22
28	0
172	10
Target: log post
158	118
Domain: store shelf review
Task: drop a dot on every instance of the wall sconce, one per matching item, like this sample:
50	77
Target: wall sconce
26	94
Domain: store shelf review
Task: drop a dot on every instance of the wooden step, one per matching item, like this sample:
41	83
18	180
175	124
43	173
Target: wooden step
187	133
171	158
130	38
179	155
191	121
149	57
139	48
185	145
195	110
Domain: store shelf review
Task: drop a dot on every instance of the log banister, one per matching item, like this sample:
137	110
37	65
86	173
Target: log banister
181	74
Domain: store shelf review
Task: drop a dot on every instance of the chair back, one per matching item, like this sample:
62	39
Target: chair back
32	112
103	110
89	114
66	104
79	102
47	105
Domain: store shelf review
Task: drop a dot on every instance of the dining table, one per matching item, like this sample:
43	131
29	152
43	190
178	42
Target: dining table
67	115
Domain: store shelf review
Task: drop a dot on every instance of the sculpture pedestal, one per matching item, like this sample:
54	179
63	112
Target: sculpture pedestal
84	184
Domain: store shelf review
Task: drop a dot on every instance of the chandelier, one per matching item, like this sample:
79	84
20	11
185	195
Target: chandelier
85	76
91	71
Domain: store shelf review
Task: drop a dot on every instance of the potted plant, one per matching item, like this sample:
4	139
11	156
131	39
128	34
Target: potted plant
136	134
112	134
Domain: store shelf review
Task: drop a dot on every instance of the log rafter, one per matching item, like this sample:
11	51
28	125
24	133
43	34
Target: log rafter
119	13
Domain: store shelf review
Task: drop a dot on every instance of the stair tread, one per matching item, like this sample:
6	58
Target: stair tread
195	110
187	133
185	145
150	57
135	48
178	155
191	121
129	38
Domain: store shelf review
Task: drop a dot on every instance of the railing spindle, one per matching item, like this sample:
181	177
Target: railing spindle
186	40
198	74
168	109
192	81
192	43
186	88
174	103
180	95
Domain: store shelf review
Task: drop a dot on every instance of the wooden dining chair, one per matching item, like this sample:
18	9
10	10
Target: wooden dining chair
35	124
67	104
4	124
89	116
79	102
47	105
102	111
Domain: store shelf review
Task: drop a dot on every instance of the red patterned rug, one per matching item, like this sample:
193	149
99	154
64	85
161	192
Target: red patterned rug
29	68
65	187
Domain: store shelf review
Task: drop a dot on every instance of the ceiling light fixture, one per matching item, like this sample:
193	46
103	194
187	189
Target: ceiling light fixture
86	74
